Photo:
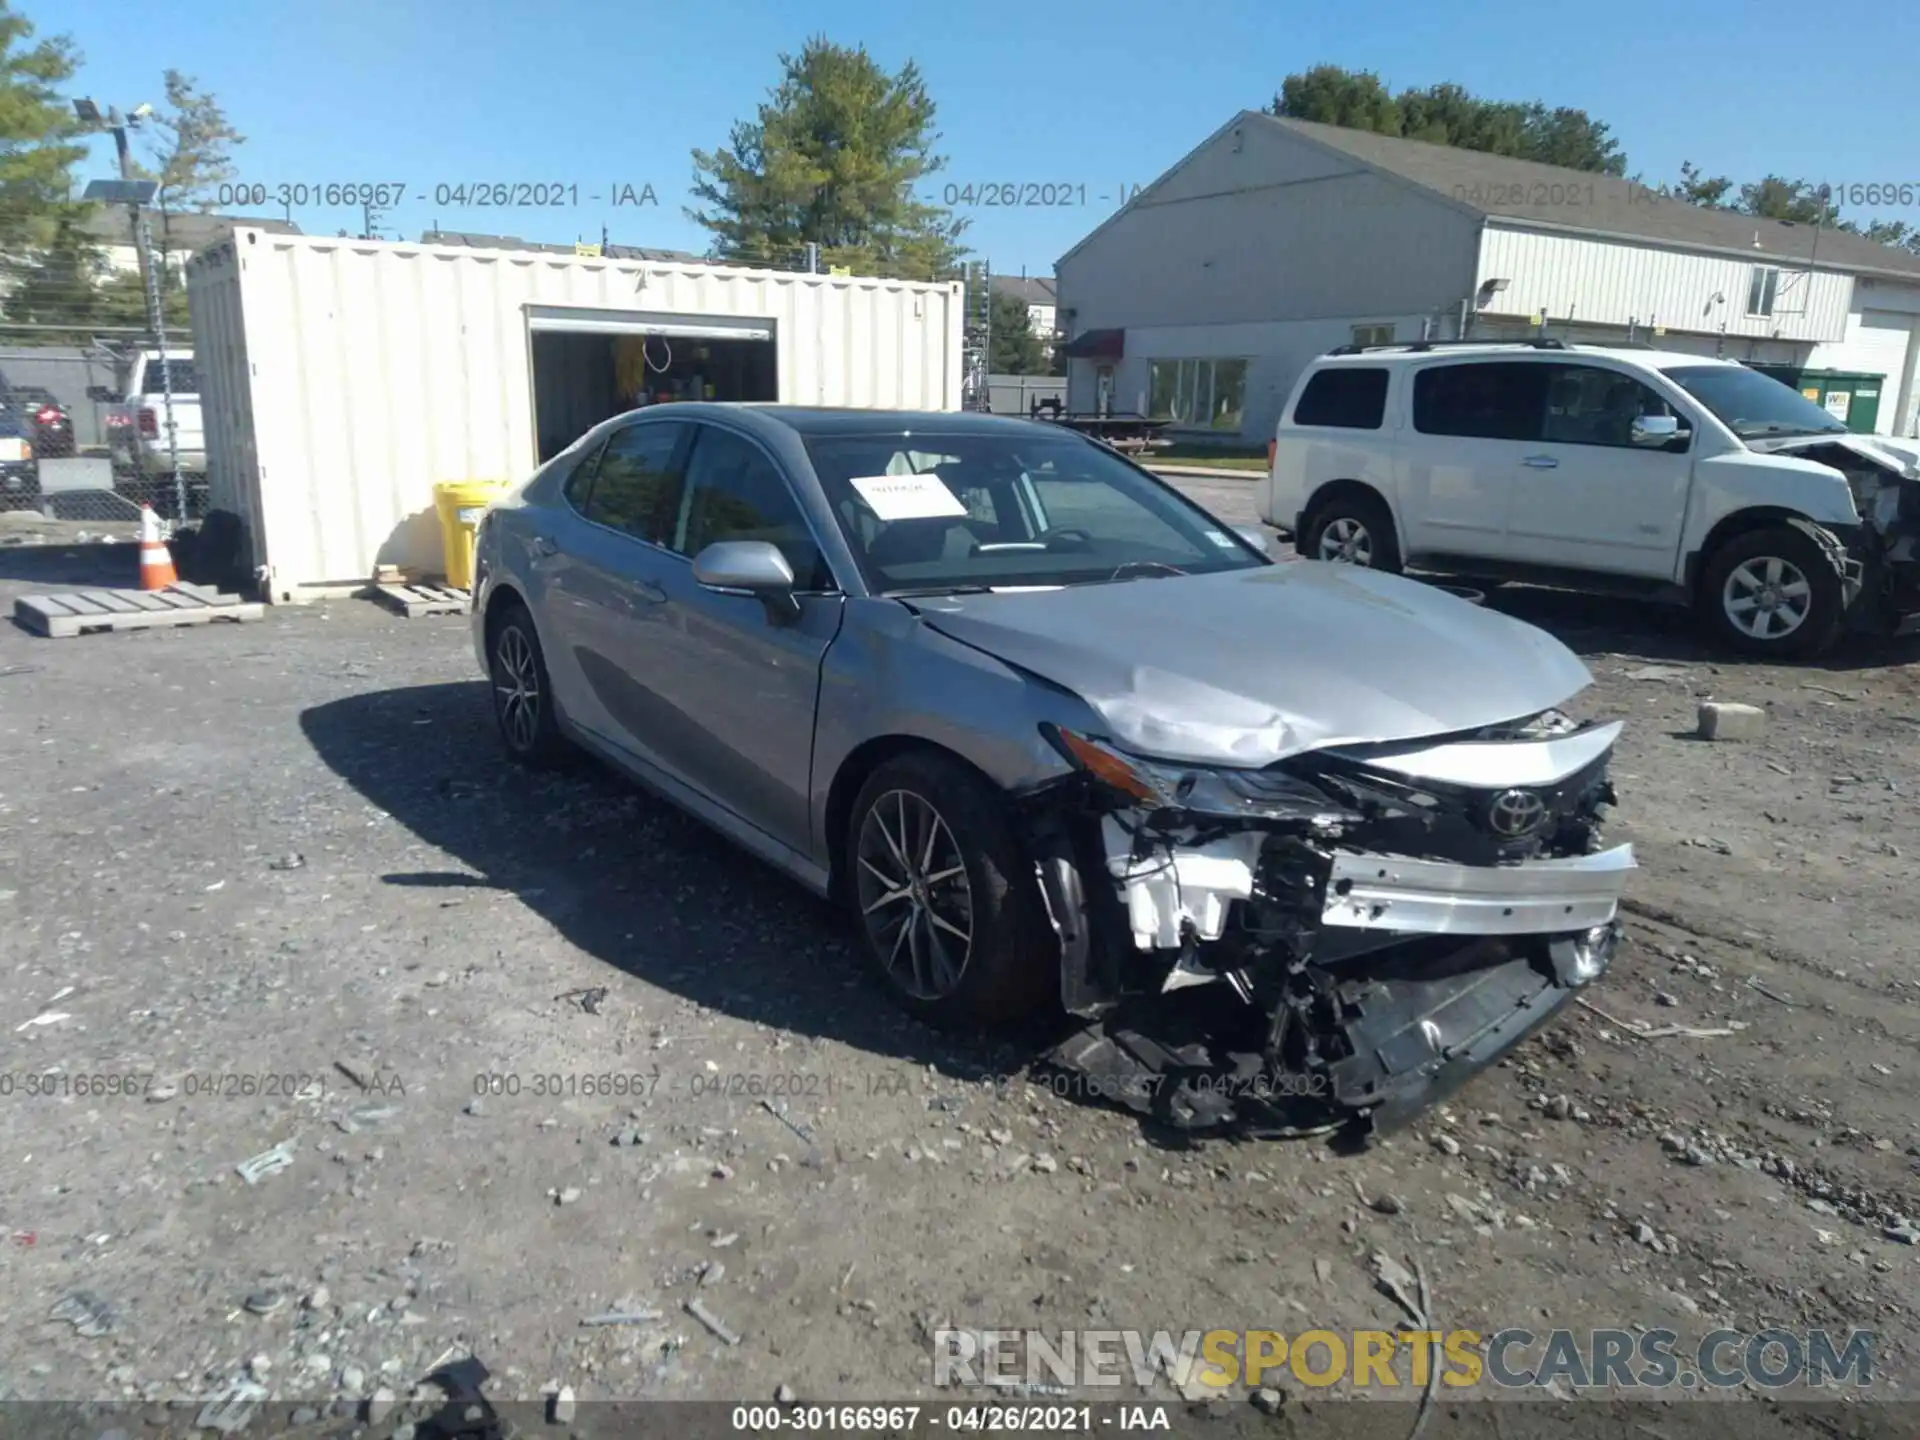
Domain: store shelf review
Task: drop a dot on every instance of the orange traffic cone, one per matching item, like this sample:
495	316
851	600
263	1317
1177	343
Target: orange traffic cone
156	562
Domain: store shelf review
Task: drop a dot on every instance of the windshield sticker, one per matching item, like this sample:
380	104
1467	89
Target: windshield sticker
907	497
1225	542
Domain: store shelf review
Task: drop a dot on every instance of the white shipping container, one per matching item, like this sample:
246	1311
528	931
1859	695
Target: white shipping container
342	379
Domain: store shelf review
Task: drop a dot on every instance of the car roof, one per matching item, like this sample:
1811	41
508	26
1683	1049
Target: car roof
810	420
1519	349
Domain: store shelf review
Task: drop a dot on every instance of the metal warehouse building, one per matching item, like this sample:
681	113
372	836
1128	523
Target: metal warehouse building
1277	240
342	379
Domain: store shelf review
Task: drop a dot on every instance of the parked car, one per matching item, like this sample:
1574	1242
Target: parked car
1632	471
1059	739
137	429
19	468
49	425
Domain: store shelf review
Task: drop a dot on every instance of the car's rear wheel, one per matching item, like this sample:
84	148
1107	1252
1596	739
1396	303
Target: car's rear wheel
522	695
943	895
1772	593
1351	528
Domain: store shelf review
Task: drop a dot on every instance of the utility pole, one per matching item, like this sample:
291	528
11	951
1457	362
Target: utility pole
117	125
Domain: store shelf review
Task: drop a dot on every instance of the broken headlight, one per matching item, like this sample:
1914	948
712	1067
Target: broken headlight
1201	789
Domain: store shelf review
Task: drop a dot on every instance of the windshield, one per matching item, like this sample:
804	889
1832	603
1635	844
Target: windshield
1753	405
943	512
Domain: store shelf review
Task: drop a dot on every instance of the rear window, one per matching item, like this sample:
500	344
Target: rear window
181	378
1347	397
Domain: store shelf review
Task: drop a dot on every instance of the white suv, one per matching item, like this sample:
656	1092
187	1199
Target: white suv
1619	470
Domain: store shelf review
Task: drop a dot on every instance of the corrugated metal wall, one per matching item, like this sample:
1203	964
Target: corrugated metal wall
363	372
1609	283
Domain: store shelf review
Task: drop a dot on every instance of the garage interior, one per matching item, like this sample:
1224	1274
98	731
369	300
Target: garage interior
589	365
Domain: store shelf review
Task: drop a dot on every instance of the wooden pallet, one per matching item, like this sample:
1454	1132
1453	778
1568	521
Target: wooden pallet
416	600
86	612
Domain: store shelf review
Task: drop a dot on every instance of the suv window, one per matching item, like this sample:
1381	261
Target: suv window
1590	406
633	482
1486	400
1348	397
735	492
181	377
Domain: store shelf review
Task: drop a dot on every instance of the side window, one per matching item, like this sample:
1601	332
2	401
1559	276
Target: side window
735	492
1590	406
1347	397
634	484
1487	400
579	483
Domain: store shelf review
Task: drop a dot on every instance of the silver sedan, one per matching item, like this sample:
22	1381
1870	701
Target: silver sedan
1059	740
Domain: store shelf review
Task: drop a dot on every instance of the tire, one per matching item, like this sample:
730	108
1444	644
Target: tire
1010	960
1767	579
1351	528
522	695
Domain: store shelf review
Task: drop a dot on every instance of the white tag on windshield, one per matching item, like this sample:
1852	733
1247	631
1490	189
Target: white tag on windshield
907	497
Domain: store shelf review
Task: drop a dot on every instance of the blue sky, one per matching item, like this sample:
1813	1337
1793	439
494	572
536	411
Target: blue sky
1088	98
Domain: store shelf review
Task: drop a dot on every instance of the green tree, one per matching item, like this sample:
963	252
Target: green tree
1012	347
1697	188
190	154
832	159
37	133
58	283
1447	114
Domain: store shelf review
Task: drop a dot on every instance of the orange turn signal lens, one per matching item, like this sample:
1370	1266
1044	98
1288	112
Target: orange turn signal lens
1108	768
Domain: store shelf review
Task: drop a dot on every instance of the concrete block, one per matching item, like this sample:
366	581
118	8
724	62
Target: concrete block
1722	720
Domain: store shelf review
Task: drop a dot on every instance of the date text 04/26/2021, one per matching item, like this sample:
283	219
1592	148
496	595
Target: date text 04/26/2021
1032	195
446	194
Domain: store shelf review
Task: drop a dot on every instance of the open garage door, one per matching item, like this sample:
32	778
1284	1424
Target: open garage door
591	364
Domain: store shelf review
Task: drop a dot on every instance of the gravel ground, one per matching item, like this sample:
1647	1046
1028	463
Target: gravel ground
513	1033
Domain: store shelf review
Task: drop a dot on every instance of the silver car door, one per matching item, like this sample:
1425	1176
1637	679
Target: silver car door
732	690
607	594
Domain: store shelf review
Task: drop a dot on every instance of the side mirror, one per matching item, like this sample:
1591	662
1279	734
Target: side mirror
754	568
1253	535
1656	431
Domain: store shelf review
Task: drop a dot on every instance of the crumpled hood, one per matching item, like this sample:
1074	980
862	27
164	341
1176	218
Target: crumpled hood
1246	667
1902	456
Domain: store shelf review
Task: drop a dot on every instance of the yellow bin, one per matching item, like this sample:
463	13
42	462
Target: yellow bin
461	503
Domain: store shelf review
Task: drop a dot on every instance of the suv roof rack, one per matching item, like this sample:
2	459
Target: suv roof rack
1419	345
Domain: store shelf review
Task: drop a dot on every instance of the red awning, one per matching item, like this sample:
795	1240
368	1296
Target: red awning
1098	345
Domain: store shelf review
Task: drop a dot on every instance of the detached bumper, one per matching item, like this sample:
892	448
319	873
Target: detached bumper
1415	1039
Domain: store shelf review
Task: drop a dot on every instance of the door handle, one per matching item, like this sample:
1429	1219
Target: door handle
543	547
1540	462
649	592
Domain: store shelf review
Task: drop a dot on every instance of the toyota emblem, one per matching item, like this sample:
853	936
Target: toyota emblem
1514	813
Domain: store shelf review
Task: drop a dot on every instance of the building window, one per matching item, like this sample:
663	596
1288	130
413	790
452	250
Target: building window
1373	334
1762	289
1206	394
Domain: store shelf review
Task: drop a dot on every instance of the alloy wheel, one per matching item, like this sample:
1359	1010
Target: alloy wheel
1346	542
915	897
516	688
1767	597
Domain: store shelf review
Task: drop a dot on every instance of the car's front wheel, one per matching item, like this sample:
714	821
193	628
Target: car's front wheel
522	694
948	911
1772	593
1351	528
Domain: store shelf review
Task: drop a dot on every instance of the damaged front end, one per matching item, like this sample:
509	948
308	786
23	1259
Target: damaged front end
1345	935
1881	559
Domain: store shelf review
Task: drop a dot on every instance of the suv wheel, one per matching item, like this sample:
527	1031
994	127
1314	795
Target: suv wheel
1772	592
947	907
1352	529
